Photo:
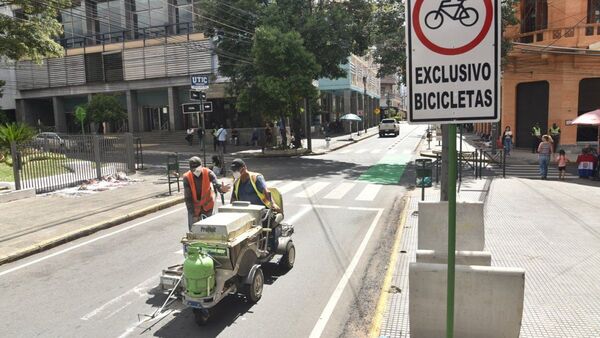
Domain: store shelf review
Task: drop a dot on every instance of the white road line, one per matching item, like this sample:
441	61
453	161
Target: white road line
139	290
289	187
360	151
41	259
346	151
339	192
312	189
299	214
391	151
375	151
273	184
317	331
369	192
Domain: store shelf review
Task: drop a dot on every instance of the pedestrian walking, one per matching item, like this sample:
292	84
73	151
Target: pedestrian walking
199	185
235	137
189	137
215	139
254	139
507	140
544	152
536	135
268	135
200	133
222	138
555	134
561	161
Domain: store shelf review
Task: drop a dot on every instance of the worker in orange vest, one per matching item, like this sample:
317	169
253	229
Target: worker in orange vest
198	191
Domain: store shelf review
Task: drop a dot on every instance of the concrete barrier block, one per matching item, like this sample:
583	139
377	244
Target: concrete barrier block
483	258
15	195
488	301
433	226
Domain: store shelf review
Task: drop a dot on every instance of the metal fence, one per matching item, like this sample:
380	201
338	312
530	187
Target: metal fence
50	162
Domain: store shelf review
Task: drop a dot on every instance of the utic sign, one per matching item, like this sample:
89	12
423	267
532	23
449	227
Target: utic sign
453	64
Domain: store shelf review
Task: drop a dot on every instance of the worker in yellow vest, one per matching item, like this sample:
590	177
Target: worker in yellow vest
555	133
250	186
536	137
198	191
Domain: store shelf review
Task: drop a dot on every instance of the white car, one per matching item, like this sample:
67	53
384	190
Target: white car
52	142
389	126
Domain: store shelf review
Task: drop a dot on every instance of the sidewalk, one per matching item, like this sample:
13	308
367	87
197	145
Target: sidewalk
36	224
549	228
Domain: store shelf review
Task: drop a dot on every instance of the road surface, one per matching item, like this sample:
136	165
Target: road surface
345	207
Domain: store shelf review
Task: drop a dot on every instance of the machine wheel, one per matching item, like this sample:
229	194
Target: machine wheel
253	291
397	134
201	317
288	259
380	134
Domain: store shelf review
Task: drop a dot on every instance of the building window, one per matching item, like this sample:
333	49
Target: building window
150	17
108	20
593	11
184	16
74	21
534	15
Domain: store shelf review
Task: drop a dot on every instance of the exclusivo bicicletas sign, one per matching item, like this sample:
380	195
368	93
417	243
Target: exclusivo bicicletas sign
453	64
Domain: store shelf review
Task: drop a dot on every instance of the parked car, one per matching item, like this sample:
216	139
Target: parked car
49	141
389	126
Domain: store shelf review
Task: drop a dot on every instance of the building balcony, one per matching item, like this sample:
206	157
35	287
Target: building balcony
580	36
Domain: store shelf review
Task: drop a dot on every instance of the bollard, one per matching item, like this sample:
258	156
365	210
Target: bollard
327	140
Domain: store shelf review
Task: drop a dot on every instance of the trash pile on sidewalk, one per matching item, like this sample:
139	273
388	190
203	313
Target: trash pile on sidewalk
92	186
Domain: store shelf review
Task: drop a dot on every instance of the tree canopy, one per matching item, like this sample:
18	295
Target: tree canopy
31	33
105	108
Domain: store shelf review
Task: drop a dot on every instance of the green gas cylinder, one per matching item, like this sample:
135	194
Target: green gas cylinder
198	273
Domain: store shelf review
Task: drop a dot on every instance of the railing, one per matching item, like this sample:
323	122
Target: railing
146	33
51	163
564	33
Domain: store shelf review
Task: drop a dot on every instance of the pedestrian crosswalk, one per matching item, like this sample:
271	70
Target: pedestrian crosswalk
328	190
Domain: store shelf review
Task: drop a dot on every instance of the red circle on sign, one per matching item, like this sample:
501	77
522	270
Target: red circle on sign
452	51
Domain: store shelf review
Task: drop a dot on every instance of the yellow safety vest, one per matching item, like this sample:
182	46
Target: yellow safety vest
555	131
537	131
260	194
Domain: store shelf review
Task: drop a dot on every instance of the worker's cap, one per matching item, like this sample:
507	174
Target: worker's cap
237	164
195	162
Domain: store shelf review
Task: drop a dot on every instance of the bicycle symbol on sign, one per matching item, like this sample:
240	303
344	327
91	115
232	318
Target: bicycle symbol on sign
467	16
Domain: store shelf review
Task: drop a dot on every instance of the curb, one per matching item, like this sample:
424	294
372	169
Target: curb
342	146
76	234
382	303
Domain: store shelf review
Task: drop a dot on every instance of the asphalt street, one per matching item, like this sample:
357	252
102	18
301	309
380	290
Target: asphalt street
344	206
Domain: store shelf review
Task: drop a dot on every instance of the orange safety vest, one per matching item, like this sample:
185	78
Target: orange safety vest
207	200
260	194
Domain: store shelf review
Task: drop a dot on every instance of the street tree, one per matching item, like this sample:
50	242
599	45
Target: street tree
105	108
30	34
285	71
81	116
328	32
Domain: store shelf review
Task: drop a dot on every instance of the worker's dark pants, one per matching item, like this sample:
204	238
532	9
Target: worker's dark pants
556	140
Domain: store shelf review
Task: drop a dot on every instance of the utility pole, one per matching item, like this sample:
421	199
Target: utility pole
364	103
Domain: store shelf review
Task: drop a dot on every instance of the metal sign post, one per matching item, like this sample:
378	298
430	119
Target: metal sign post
453	72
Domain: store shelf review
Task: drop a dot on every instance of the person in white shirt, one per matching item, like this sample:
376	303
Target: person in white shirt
222	137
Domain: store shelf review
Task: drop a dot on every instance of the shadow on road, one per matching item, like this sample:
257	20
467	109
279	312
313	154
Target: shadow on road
223	315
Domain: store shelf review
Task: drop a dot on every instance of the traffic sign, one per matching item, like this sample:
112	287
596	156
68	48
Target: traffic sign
453	61
191	108
208	106
200	81
196	95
